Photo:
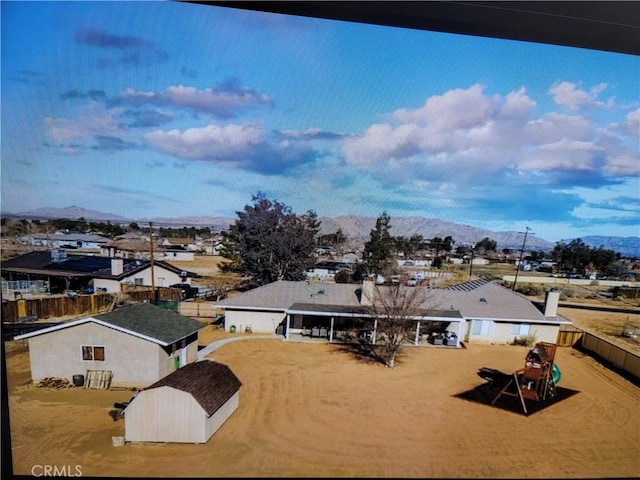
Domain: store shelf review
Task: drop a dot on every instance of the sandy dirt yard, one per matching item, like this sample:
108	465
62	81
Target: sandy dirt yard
314	410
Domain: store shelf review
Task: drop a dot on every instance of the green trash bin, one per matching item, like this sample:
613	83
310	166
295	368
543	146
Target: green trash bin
232	329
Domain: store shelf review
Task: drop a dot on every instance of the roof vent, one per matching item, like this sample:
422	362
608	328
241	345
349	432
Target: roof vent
483	300
321	292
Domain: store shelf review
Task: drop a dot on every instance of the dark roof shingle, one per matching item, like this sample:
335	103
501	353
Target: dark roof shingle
210	383
152	321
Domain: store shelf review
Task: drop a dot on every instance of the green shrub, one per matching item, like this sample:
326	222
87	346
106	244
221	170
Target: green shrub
524	340
530	290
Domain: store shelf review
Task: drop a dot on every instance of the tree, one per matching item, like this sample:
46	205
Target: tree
394	309
486	245
378	250
572	257
268	242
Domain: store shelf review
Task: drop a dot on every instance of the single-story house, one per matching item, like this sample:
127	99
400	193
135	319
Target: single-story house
186	243
188	405
138	248
327	269
62	271
478	310
179	253
86	241
139	344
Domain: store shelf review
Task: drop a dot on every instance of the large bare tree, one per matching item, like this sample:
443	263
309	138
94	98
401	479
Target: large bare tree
395	310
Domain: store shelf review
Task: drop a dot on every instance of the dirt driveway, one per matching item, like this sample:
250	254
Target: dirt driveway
313	410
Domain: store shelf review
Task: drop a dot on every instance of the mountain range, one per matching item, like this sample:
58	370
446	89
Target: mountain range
357	228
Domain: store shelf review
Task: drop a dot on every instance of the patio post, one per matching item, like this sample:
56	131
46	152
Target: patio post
286	327
417	333
461	324
331	330
375	327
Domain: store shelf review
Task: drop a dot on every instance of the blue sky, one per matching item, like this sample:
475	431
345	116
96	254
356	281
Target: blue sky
149	109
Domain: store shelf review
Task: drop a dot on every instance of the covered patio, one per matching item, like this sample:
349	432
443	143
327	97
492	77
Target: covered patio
339	323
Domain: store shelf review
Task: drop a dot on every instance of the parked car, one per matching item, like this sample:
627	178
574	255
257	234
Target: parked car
187	290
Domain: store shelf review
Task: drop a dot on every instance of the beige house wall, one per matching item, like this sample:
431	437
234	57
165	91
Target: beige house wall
59	354
260	322
540	332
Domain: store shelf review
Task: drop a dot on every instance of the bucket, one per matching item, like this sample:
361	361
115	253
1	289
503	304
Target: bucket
78	380
232	329
117	441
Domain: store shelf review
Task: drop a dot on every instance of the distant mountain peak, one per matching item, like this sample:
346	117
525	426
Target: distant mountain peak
72	212
359	227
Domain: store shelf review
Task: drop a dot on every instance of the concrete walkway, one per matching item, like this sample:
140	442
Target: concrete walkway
218	343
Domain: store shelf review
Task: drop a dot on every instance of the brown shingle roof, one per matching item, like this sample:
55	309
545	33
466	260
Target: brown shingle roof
210	383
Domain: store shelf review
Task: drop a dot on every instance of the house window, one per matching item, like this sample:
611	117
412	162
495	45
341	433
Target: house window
481	327
91	353
520	329
137	281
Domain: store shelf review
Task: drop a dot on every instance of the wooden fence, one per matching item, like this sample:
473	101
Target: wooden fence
613	354
569	336
59	306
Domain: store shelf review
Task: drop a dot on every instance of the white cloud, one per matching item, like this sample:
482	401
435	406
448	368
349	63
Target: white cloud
554	127
210	142
456	109
563	155
516	104
634	120
223	101
382	142
90	121
569	95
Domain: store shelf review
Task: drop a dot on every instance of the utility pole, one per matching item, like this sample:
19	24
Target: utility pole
515	280
153	280
473	247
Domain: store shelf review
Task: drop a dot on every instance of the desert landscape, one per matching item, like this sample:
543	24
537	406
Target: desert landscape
314	410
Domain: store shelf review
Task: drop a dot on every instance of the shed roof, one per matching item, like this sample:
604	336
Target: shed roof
210	383
143	320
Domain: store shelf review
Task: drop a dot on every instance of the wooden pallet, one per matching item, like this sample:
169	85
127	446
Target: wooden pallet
98	379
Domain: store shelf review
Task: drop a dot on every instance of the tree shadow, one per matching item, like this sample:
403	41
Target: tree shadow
488	393
364	351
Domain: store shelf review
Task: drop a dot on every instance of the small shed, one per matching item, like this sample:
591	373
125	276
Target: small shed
187	406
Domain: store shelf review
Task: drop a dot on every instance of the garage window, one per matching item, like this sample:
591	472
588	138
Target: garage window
92	353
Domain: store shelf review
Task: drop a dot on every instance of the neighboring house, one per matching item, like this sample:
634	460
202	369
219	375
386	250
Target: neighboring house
131	248
85	241
178	253
62	271
475	311
186	243
186	406
139	344
327	269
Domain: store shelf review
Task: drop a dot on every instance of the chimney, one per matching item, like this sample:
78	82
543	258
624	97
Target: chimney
367	292
551	303
117	266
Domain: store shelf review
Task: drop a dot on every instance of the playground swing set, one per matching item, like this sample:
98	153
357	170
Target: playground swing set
535	382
